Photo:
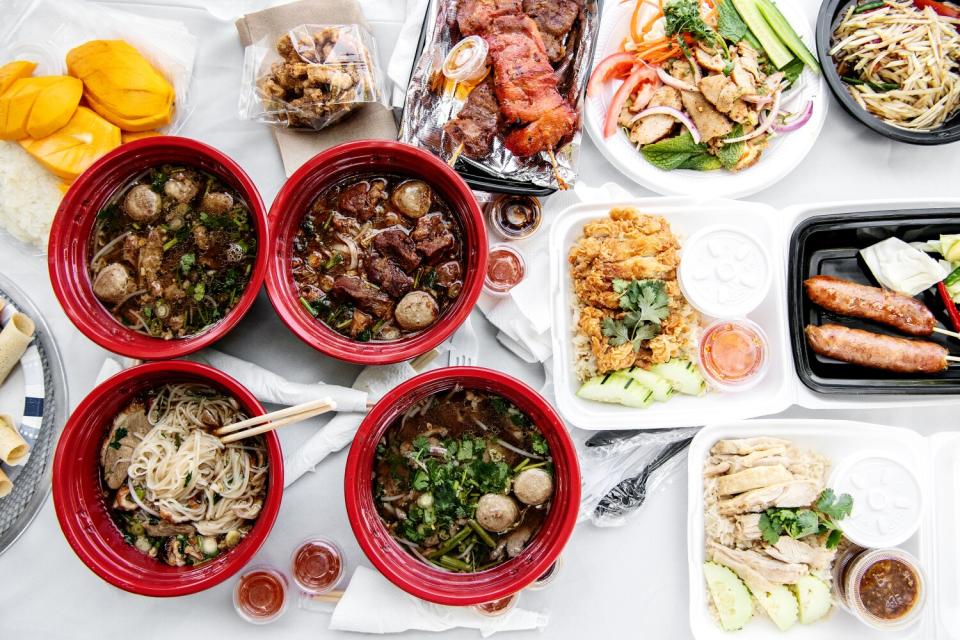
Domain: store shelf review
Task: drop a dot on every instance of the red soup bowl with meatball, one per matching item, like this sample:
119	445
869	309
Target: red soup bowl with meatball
462	486
159	248
377	252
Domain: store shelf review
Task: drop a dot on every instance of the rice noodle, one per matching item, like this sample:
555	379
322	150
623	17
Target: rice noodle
105	250
899	44
506	445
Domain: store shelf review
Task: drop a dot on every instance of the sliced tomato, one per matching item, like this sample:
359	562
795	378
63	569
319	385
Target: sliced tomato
630	85
615	65
942	8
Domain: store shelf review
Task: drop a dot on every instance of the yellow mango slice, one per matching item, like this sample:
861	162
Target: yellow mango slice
37	107
130	136
71	150
121	85
13	71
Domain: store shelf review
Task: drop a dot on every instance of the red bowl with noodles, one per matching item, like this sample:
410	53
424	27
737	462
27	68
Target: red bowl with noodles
79	492
416	576
69	250
366	160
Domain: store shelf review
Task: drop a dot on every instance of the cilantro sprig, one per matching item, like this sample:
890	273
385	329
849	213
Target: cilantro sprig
647	306
822	518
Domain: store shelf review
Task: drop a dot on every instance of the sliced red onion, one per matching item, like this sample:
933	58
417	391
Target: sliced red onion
799	121
758	100
670	81
765	125
673	113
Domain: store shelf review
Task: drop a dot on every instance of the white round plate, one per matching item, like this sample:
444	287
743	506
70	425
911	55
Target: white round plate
782	154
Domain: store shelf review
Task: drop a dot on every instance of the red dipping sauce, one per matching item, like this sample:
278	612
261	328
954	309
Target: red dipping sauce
317	565
733	354
260	595
504	269
497	607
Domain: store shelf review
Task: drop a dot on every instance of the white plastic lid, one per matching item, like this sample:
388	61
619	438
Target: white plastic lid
887	504
724	271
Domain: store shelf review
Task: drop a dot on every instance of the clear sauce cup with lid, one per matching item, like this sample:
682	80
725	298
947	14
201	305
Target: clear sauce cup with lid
515	217
734	354
317	565
883	588
505	270
260	595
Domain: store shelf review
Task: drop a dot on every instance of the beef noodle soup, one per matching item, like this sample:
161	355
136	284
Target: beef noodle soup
176	492
463	480
172	252
378	257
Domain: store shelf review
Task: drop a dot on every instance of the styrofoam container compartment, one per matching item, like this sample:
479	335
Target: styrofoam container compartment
773	393
934	462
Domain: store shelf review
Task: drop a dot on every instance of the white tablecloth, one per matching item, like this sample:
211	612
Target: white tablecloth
615	582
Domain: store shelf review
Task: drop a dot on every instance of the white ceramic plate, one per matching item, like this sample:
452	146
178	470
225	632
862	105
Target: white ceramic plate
772	394
779	158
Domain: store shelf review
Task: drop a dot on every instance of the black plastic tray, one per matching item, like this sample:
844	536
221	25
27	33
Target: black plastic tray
830	245
477	178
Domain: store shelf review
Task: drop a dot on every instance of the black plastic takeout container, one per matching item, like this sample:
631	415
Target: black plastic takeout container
830	245
830	13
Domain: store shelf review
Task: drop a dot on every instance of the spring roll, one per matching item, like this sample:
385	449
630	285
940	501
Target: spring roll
5	485
13	448
14	340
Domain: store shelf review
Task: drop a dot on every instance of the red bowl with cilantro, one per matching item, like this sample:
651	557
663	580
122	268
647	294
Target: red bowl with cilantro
427	581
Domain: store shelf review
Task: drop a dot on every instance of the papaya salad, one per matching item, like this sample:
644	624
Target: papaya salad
705	84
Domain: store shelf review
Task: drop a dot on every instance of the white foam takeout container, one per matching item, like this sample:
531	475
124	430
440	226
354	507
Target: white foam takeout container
781	386
936	462
780	157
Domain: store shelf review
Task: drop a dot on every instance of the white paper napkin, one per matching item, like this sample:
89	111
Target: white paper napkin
371	604
524	316
403	57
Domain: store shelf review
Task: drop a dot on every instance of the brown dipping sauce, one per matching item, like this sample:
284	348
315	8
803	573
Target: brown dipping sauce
515	217
889	589
260	595
317	566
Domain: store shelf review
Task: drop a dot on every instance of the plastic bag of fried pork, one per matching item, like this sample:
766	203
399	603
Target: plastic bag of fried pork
463	101
311	76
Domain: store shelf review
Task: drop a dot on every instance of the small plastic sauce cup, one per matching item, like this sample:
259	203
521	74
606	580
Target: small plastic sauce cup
548	576
467	61
317	565
505	269
515	217
260	595
734	354
883	588
498	607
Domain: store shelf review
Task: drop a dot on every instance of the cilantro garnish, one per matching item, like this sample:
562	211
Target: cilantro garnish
118	435
646	304
799	523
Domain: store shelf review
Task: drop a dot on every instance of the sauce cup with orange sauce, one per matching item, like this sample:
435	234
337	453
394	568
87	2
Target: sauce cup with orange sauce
734	354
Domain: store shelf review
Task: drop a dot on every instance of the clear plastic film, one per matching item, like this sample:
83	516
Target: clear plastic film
621	469
311	76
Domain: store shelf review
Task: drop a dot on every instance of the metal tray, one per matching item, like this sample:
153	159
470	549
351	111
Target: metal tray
43	393
830	245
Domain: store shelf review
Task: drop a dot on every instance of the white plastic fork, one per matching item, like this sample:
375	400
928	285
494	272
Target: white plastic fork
464	346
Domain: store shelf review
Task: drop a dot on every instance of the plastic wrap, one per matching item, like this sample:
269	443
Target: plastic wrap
621	469
311	76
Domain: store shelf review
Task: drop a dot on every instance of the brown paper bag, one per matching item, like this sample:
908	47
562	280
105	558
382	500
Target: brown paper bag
371	121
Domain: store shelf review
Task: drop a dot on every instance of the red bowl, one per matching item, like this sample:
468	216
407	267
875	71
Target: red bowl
68	250
298	194
83	513
411	574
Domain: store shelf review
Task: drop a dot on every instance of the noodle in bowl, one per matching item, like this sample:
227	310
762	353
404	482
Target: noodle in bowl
174	511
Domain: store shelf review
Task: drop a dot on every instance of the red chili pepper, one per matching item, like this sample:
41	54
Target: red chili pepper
952	312
942	8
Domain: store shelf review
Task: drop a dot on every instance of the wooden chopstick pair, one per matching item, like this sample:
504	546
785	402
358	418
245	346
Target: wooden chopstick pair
274	420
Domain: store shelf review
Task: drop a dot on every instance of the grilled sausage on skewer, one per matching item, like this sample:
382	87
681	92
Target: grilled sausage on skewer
847	298
875	350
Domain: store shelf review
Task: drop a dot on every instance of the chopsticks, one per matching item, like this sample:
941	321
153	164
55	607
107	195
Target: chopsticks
274	420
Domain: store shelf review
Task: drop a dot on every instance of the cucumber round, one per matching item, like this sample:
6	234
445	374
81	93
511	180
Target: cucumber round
729	595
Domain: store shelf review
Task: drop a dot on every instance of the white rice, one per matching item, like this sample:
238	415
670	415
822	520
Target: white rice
29	196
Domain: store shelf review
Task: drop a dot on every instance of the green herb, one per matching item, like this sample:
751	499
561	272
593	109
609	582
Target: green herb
702	162
333	261
869	6
792	70
118	435
326	224
673	153
109	211
199	290
159	179
189	477
729	23
683	17
822	518
646	304
429	278
539	444
729	154
169	244
187	261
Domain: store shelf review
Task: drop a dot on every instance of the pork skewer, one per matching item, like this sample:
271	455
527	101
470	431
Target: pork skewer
896	310
878	351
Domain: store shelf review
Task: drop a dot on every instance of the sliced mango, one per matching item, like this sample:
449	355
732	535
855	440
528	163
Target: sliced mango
13	71
121	85
130	136
71	150
37	107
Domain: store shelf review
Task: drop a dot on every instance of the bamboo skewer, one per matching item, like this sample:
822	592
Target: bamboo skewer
952	334
274	420
561	183
952	358
456	154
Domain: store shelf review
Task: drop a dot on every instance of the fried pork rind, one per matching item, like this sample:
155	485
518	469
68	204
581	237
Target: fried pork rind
311	77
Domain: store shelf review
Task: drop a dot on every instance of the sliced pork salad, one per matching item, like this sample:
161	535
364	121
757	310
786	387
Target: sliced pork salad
706	84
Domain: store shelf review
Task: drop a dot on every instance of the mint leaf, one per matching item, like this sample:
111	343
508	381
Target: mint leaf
729	154
701	162
729	23
792	70
670	153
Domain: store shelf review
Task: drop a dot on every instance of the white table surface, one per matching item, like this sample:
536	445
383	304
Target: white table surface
615	582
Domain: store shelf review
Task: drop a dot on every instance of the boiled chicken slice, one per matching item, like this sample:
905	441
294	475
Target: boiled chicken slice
747	529
797	551
744	446
796	493
760	572
753	478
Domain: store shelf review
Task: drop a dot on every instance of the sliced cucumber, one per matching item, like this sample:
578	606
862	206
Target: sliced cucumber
813	596
729	595
683	375
776	50
780	605
616	388
660	386
786	33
